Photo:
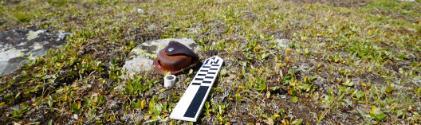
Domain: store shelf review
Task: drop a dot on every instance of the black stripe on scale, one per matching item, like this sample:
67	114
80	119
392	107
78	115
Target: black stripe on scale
195	103
195	83
208	77
198	79
206	66
213	69
207	82
201	74
202	70
211	72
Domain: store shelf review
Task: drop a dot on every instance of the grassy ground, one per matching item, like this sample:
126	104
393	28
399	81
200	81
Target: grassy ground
348	62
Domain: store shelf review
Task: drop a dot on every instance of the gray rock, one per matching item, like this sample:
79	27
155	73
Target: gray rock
282	43
138	64
141	57
17	46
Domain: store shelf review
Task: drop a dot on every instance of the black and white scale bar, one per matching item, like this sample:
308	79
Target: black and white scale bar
193	99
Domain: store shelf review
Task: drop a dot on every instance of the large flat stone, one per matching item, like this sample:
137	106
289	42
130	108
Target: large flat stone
18	46
141	57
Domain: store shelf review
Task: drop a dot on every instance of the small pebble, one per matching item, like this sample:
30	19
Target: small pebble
140	11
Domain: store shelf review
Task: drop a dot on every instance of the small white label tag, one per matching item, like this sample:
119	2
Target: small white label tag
193	99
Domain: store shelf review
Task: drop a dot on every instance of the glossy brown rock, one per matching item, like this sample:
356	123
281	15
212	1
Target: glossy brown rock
175	58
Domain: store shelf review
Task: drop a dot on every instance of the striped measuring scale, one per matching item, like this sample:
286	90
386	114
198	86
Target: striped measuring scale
193	99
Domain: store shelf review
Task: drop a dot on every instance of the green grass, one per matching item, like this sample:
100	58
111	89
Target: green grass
344	64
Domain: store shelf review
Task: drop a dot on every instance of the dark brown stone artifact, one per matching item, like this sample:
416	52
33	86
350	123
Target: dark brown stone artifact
175	58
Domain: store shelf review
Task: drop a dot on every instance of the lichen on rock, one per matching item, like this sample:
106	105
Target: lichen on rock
19	45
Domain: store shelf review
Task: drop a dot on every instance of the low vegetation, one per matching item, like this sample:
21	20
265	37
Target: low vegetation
344	63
